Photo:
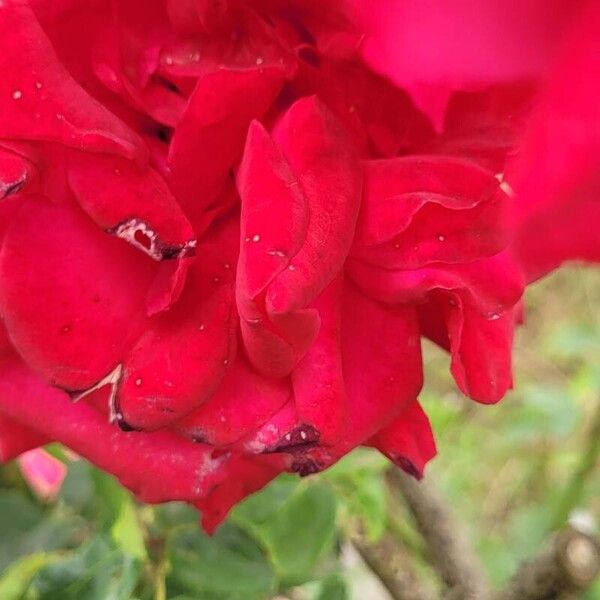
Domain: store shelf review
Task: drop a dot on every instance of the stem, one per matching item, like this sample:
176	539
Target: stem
449	546
569	565
575	485
393	566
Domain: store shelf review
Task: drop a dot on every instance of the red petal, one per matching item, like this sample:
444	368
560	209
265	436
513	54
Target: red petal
319	391
491	285
423	209
557	181
459	43
73	325
475	301
157	467
160	382
382	373
16	439
299	206
16	172
244	477
481	350
408	441
484	125
381	116
243	402
41	101
382	362
197	16
209	139
133	204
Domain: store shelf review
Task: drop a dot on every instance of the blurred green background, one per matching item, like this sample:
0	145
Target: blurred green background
514	473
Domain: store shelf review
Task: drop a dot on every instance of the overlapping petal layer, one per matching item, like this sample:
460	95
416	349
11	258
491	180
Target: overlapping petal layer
225	226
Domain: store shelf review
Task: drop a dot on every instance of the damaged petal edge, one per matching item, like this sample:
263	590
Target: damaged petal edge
140	234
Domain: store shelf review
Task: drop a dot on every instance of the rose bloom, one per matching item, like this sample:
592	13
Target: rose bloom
226	225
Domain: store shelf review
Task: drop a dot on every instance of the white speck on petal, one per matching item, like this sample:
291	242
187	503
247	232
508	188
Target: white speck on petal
504	185
17	95
441	238
291	268
303	435
256	238
138	382
260	60
38	85
201	328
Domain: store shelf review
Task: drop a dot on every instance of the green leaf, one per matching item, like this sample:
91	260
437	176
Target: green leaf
363	494
126	531
261	507
77	490
300	532
229	566
333	588
96	571
109	496
16	579
26	528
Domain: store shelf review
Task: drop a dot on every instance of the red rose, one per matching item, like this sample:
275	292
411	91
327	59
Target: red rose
224	226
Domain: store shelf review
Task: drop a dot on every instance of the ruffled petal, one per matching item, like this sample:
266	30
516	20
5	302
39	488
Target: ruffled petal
300	201
491	285
424	209
72	297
